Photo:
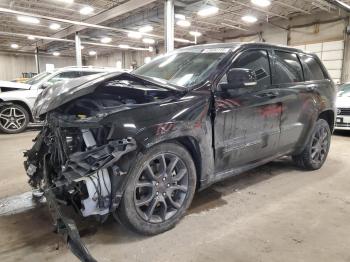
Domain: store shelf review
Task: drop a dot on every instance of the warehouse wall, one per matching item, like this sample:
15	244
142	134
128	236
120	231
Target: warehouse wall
126	58
12	65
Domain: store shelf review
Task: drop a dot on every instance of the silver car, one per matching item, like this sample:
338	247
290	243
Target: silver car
343	108
17	99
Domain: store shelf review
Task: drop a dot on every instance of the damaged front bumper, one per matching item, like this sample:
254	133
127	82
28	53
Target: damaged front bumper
90	180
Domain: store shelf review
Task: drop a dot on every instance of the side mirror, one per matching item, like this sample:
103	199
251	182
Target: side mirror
240	78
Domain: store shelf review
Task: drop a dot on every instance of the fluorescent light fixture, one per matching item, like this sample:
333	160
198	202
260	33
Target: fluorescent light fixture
28	19
261	3
148	41
181	40
106	40
180	16
183	23
135	35
124	46
14	46
55	26
249	19
31	37
92	53
56	53
86	10
208	10
146	29
66	1
195	33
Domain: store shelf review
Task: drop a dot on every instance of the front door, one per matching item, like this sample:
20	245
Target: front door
247	119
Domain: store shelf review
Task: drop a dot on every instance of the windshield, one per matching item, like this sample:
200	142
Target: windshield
36	79
344	90
187	68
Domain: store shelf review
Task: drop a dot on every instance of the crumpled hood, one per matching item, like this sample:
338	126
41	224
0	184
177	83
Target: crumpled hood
11	86
63	92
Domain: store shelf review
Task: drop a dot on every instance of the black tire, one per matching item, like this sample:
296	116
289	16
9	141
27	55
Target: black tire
135	216
13	119
315	153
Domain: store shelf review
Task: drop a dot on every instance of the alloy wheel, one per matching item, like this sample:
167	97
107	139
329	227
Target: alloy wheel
319	147
161	188
12	118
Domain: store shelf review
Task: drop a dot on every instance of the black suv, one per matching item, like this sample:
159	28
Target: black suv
138	145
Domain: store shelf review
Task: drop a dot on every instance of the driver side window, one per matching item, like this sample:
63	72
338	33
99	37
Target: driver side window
258	62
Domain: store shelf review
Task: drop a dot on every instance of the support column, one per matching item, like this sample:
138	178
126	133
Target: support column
169	25
37	64
78	50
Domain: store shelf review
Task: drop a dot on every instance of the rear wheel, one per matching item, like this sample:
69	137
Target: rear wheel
316	151
13	119
160	189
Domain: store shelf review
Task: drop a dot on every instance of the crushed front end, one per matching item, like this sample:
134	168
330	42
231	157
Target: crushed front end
74	164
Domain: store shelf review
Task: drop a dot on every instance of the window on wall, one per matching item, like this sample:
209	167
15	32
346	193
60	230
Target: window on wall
312	69
258	62
288	68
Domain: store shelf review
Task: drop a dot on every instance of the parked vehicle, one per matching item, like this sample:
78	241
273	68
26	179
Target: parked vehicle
17	99
343	108
138	145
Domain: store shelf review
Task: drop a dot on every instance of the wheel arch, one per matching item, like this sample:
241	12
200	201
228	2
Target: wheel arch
329	116
20	103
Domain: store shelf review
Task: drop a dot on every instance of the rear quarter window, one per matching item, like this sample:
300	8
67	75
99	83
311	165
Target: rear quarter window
312	68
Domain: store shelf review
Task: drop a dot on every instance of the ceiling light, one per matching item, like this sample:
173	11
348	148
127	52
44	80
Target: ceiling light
183	23
66	1
262	3
181	40
148	41
55	26
106	40
30	37
195	33
208	10
86	10
28	19
249	19
180	16
14	46
146	29
82	47
135	35
92	53
150	49
56	53
124	46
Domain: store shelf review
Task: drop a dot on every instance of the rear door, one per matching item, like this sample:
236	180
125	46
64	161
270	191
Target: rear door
247	120
297	97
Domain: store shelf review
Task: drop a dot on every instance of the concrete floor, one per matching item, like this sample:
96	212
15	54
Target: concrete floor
273	213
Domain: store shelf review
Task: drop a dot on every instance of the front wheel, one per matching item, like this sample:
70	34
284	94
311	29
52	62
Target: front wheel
316	151
13	119
161	186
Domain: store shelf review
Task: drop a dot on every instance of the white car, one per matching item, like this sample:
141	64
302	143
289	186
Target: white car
17	99
343	108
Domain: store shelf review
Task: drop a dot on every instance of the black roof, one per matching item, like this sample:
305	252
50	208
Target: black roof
235	45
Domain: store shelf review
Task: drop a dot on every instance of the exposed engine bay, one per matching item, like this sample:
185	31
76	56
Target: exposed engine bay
75	161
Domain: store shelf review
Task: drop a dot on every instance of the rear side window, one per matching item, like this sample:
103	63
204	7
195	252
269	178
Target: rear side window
312	69
288	68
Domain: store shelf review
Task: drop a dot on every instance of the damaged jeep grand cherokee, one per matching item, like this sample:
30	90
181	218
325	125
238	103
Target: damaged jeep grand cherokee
138	145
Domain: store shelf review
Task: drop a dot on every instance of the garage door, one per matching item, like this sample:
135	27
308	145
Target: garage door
331	54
